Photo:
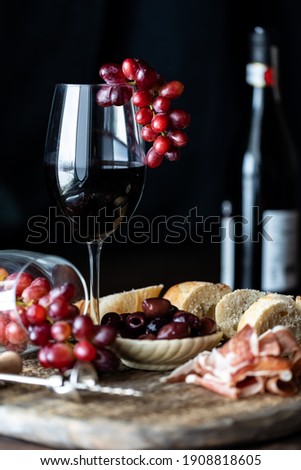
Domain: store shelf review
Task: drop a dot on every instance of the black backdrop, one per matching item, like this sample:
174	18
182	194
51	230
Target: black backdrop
202	43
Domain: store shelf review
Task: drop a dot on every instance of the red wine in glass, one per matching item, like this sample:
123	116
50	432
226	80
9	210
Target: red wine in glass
94	168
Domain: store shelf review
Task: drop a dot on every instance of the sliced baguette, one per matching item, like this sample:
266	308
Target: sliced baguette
197	297
124	302
298	301
232	306
272	310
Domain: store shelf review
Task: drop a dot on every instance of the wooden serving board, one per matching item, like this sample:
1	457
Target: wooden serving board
167	416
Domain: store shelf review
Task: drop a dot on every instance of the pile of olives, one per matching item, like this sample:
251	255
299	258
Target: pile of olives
159	319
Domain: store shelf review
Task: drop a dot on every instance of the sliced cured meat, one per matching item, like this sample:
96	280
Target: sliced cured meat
242	347
286	340
278	387
296	368
268	366
251	386
247	365
209	382
268	344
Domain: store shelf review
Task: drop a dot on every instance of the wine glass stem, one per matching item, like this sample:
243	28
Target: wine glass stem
94	249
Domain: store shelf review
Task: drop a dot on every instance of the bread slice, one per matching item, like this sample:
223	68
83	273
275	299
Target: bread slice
232	306
298	301
272	310
124	302
197	297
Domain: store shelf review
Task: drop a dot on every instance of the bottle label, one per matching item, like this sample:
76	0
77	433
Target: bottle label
256	74
279	271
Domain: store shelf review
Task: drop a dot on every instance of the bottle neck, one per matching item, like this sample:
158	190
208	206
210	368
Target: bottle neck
263	77
258	76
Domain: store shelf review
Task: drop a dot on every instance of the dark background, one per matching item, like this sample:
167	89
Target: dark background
202	43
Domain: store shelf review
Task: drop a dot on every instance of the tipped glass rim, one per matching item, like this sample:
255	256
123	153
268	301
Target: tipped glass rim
30	258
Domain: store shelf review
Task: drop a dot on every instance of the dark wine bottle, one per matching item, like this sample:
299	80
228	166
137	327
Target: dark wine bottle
262	235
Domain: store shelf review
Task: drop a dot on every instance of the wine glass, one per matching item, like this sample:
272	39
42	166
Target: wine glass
94	166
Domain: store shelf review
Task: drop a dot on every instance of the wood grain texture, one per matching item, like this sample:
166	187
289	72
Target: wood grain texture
168	416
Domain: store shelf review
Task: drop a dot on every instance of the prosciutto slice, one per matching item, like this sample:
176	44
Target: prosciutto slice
246	365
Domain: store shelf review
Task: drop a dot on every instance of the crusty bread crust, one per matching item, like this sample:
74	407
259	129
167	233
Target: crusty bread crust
197	297
272	310
232	306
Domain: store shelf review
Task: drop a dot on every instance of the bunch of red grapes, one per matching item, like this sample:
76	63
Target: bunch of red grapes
160	125
48	319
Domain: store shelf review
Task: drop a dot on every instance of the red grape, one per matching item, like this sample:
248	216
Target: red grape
21	311
23	280
104	335
3	324
83	327
113	95
15	315
105	361
142	98
73	311
121	94
65	291
179	118
60	331
15	333
7	315
41	282
173	154
84	351
178	138
40	334
159	82
148	134
103	96
129	68
144	116
36	314
145	76
59	309
153	159
42	356
171	90
160	122
161	104
33	293
112	73
162	144
60	355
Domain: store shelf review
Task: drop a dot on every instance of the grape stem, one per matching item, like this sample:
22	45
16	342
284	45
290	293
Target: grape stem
94	250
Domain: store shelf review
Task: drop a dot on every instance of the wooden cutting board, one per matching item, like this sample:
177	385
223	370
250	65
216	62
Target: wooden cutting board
167	416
